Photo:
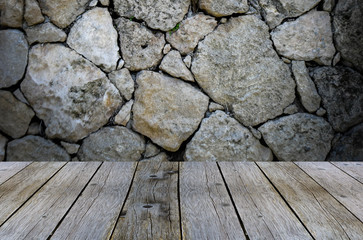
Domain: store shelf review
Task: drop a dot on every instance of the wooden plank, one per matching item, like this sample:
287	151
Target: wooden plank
264	213
343	187
322	214
151	210
18	189
9	169
40	215
354	169
207	211
95	213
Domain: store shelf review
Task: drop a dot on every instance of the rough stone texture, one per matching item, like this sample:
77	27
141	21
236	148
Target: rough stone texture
105	2
141	48
215	106
71	148
291	109
11	13
349	147
167	48
328	5
221	137
15	115
188	61
252	81
63	12
308	38
34	148
123	81
123	117
336	59
220	8
190	32
34	128
3	141
71	95
173	64
348	35
275	11
33	14
321	112
341	90
13	57
151	150
161	14
167	110
298	137
310	98
112	144
45	33
95	38
19	95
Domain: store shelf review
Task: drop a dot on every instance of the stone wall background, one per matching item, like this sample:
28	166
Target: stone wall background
206	80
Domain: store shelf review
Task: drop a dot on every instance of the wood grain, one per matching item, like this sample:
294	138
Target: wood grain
151	210
9	169
322	214
95	213
264	213
17	190
354	169
40	215
343	187
207	211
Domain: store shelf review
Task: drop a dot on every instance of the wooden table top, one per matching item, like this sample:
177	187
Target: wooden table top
185	200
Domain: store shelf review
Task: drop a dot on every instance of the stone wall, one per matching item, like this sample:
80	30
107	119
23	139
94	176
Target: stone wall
205	80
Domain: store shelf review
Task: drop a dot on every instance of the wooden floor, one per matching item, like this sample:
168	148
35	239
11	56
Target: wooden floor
186	200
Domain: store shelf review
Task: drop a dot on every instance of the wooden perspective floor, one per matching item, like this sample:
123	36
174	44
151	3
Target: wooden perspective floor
186	200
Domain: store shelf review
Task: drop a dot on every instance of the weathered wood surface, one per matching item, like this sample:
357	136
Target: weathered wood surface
9	169
354	169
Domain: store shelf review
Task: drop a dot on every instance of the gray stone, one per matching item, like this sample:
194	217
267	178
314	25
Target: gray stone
140	47
167	48
33	14
15	115
348	34
349	147
222	138
120	64
70	94
123	117
112	144
35	128
220	8
3	142
94	37
275	11
105	2
291	109
151	150
321	112
215	106
63	12
45	33
310	98
328	5
341	90
336	59
188	61
161	14
298	137
252	81
308	38
257	134
11	13
13	57
34	148
93	3
123	81
173	64
166	109
71	148
190	32
19	95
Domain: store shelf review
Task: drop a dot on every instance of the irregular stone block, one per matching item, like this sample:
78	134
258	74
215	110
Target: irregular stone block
221	8
45	33
173	64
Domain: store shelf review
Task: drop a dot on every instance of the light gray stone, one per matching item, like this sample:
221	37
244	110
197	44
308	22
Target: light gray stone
123	81
15	115
275	11
19	95
123	117
298	137
310	98
3	142
35	148
63	12
308	38
166	109
70	94
151	150
120	64
188	61
222	138
105	2
112	144
257	134
215	106
93	3
11	13
94	37
328	5
161	14
45	33
33	14
348	34
173	64
190	32
13	57
167	48
291	109
220	8
238	68
341	90
140	47
71	148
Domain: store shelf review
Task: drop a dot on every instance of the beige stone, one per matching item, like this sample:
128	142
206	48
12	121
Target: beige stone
11	13
33	14
123	81
220	8
123	117
45	33
173	64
